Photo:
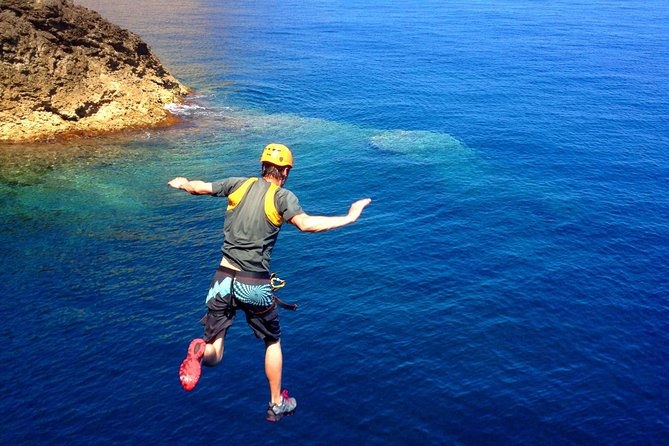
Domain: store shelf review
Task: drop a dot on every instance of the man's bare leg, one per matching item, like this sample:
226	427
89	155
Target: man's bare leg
273	368
281	404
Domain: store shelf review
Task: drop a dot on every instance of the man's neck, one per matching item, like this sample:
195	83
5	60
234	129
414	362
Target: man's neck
274	181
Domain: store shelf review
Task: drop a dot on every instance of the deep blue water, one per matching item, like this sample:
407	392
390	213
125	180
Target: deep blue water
508	284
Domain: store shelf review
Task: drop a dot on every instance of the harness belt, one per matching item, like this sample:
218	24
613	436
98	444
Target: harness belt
249	274
274	282
284	305
279	302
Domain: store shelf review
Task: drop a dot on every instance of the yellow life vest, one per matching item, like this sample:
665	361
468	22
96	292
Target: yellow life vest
271	212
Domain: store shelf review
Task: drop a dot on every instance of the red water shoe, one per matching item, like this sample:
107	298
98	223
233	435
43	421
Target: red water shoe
189	372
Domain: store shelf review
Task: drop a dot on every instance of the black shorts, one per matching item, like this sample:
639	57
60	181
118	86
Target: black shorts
231	290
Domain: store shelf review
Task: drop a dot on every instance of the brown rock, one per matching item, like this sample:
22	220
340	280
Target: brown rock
66	70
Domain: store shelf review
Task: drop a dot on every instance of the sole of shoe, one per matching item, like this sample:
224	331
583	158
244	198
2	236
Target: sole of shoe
195	353
274	418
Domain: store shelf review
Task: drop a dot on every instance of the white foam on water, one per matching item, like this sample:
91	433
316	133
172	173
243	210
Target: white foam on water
183	109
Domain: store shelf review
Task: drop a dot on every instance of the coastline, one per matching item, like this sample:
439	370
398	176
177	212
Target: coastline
169	119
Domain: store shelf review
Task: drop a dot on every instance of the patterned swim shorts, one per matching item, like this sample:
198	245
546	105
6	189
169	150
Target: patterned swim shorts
252	293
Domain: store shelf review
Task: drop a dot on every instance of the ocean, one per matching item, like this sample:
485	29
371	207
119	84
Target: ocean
508	284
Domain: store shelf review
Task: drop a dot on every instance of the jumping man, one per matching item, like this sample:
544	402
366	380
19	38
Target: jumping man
256	209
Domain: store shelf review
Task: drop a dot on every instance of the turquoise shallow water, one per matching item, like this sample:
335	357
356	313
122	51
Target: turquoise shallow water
506	286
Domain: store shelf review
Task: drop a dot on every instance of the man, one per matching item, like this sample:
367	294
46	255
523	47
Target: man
256	209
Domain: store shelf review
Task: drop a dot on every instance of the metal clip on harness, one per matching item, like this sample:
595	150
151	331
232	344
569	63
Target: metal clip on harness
277	284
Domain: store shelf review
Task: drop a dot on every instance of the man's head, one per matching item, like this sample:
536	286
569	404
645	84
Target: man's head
276	161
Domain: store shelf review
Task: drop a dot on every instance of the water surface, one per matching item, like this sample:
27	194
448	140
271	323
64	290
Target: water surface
506	286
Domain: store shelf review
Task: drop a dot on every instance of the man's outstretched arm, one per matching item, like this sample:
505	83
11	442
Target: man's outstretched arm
318	223
195	187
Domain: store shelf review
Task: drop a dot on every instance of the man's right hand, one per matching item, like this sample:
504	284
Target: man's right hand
357	207
318	223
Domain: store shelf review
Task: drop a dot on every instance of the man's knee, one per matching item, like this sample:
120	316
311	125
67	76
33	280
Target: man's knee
211	360
213	353
272	341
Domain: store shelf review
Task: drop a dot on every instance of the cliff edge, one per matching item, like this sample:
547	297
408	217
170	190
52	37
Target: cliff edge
66	70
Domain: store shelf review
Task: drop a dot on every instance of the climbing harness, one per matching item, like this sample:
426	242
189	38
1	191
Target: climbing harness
275	284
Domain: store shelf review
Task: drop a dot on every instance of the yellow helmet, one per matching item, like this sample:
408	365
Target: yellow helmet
277	154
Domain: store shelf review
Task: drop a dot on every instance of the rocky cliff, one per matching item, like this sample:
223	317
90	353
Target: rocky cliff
66	70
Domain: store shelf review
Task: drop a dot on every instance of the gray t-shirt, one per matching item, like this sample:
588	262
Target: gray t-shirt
249	235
